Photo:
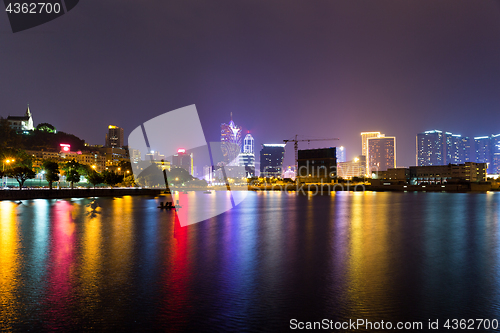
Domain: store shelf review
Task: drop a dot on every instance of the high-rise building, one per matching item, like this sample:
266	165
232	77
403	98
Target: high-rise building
364	140
381	153
495	154
341	156
135	155
247	157
430	148
364	144
183	160
317	165
248	144
457	148
440	148
230	137
114	137
271	160
482	149
208	173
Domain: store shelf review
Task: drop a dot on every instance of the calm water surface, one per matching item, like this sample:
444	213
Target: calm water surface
126	265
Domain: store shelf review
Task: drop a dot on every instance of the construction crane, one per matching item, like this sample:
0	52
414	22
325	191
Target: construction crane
296	146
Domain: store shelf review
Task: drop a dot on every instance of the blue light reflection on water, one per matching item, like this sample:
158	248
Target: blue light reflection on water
277	256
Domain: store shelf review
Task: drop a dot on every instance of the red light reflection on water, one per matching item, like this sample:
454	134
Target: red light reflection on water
60	275
176	278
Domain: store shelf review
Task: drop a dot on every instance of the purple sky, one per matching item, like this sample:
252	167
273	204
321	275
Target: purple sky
314	68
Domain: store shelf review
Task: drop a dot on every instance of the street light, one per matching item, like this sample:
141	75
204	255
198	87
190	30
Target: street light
3	168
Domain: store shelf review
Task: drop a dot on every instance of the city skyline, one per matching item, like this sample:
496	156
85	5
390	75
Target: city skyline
446	148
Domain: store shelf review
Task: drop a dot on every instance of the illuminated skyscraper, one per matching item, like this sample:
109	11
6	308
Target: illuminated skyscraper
495	155
271	160
114	137
482	149
341	154
441	148
381	153
248	144
247	157
430	148
364	140
230	137
183	160
364	145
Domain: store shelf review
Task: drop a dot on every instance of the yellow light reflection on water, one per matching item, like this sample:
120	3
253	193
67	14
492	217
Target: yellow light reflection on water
122	237
368	263
9	261
91	256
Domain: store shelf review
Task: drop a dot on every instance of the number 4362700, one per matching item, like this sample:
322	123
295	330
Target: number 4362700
33	8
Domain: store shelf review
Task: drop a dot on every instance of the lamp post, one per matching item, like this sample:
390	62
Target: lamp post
3	168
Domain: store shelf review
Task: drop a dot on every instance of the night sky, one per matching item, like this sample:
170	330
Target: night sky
314	68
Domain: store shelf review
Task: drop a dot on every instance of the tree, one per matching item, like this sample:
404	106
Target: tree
111	178
125	166
73	171
73	176
45	127
51	171
94	177
151	176
21	174
8	136
128	181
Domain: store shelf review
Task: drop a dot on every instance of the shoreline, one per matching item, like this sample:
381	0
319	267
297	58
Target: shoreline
16	194
29	194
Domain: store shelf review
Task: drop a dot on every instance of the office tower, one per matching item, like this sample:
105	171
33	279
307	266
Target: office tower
247	157
183	160
381	153
114	137
495	154
317	165
457	149
430	148
271	160
341	154
441	148
230	138
482	149
248	144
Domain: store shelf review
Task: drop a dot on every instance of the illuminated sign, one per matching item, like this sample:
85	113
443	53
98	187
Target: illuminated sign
181	150
65	147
